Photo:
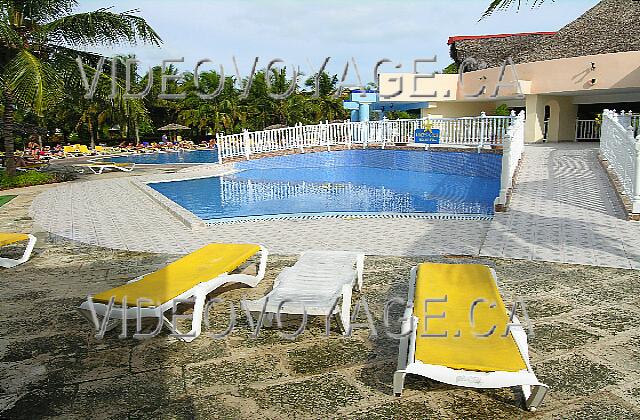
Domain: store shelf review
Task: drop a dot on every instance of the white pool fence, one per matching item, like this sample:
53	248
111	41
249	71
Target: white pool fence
482	131
621	149
471	131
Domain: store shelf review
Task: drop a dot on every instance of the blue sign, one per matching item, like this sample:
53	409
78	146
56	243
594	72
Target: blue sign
424	136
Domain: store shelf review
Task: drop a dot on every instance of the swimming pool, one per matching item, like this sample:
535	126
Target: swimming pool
191	156
345	182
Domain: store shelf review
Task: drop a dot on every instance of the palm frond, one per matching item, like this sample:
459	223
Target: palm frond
101	27
37	11
34	83
501	5
9	38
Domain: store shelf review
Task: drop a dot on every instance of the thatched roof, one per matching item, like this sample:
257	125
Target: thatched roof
609	27
493	50
173	127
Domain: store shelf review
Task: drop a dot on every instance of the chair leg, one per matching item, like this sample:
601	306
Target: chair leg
341	327
196	322
534	395
10	263
345	309
267	320
398	382
111	323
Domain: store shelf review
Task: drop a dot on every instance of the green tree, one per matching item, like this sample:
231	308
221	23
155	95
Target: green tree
40	41
451	69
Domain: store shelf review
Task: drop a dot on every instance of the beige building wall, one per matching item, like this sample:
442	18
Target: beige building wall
580	75
553	83
459	109
534	124
562	118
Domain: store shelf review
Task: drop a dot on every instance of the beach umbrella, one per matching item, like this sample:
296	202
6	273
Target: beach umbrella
173	127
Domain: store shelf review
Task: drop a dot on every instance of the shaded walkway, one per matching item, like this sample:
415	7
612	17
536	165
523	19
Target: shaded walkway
564	209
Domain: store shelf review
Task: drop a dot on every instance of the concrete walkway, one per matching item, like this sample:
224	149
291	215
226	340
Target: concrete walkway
564	209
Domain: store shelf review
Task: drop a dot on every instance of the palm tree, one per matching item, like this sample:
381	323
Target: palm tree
505	4
40	41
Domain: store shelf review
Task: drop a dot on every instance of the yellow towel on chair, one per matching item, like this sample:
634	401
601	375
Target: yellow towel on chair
462	284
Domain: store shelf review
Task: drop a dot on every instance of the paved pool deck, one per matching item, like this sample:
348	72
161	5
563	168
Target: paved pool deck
563	209
585	347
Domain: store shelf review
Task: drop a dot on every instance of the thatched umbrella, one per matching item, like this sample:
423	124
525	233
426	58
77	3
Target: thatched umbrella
174	128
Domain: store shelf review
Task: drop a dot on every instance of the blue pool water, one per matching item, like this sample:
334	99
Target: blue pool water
349	182
193	156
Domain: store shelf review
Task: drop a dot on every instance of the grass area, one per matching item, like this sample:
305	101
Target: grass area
29	178
4	199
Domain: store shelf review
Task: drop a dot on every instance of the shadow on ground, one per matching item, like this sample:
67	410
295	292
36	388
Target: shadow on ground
585	347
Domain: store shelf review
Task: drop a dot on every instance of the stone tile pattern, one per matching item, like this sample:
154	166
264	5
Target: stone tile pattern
585	347
564	209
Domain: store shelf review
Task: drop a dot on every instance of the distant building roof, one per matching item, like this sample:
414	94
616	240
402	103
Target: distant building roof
610	26
453	39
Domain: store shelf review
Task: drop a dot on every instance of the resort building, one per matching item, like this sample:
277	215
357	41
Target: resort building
563	80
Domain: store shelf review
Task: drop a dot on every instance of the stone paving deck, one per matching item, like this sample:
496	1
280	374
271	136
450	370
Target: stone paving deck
585	347
564	209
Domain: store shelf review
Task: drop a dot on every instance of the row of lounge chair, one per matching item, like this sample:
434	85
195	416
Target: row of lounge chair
452	350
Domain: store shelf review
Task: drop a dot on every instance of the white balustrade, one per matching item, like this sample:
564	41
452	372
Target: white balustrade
587	130
472	131
621	149
513	147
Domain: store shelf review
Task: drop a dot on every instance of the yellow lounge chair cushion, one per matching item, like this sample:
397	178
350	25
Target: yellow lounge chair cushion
200	266
10	238
463	284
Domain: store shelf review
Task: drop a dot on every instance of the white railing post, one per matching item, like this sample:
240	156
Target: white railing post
327	135
219	147
384	131
635	200
512	149
247	143
483	129
505	175
300	137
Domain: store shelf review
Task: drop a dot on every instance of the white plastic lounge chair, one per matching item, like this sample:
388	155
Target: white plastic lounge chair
463	357
99	167
12	238
192	276
313	285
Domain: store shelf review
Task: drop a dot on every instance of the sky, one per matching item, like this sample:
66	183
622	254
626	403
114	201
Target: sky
304	32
